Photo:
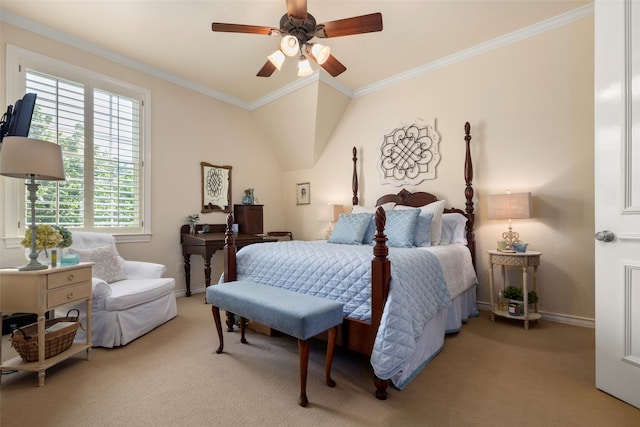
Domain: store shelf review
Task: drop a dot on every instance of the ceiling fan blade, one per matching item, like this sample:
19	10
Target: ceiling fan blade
239	28
297	8
267	69
349	26
333	66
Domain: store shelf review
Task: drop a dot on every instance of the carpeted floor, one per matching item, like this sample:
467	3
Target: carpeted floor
489	374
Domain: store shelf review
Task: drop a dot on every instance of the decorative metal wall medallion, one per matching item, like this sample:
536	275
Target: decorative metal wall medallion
409	154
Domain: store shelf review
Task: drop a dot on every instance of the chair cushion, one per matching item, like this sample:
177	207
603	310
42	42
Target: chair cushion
131	292
108	265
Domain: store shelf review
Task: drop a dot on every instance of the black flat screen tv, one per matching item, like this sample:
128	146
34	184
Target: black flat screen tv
17	119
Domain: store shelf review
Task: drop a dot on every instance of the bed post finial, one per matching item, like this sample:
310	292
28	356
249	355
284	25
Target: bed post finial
354	181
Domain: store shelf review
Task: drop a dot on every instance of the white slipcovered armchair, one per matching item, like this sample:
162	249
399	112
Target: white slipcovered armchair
130	298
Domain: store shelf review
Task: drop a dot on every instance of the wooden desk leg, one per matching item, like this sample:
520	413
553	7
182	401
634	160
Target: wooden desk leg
331	344
535	288
303	349
187	273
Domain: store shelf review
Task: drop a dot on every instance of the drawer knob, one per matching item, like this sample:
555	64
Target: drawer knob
70	277
70	295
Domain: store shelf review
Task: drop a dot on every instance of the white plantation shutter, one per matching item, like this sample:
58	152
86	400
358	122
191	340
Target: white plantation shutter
100	133
116	156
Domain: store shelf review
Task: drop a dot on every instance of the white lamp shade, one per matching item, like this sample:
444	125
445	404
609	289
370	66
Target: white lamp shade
277	58
304	68
510	206
320	52
22	157
289	45
329	212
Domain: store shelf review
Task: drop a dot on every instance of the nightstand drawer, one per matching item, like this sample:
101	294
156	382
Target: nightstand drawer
69	277
68	294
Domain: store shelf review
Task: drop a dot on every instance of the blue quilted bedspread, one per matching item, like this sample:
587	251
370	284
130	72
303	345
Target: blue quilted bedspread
343	273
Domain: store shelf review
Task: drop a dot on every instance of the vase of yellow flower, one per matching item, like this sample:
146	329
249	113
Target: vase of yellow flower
47	237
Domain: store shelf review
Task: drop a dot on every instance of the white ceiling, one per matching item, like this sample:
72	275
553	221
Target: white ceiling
174	38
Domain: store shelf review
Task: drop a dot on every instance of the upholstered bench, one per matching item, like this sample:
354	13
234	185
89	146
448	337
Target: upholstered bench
299	315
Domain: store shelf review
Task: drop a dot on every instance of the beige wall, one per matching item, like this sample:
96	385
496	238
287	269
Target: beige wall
530	105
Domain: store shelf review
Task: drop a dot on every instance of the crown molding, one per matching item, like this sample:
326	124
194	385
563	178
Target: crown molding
482	48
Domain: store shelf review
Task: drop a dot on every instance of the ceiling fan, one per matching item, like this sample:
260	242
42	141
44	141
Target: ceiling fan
297	28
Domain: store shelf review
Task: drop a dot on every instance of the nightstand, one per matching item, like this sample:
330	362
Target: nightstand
523	260
38	292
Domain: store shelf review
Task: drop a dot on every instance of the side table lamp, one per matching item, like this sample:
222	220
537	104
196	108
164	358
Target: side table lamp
510	206
31	159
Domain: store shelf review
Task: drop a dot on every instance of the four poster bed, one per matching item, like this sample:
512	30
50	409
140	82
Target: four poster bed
399	305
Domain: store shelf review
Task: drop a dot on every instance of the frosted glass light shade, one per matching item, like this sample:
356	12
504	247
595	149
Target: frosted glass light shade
304	68
277	58
289	45
320	52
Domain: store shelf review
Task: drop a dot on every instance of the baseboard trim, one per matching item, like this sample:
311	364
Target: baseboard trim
568	319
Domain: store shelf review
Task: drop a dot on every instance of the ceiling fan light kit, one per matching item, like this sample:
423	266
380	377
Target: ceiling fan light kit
297	28
304	68
318	52
290	45
277	58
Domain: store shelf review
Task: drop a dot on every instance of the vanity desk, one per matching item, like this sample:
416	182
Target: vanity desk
206	244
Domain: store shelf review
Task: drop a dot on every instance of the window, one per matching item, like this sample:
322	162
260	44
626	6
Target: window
100	125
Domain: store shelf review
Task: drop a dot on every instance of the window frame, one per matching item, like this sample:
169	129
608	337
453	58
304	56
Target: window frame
17	62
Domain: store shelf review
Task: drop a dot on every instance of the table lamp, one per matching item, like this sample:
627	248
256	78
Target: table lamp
31	159
510	206
329	213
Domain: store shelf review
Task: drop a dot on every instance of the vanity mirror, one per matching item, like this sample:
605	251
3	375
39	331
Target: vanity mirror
216	188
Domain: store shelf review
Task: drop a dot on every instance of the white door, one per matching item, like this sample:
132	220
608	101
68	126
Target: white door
617	197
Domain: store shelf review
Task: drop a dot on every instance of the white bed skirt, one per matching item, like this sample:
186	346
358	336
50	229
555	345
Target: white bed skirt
430	343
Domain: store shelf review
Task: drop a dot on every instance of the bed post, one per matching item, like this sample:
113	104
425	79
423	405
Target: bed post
354	180
468	194
230	272
380	279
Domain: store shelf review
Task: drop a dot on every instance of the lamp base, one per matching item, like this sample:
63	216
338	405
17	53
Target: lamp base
32	266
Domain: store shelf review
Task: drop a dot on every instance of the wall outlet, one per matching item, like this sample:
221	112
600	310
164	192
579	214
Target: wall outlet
179	267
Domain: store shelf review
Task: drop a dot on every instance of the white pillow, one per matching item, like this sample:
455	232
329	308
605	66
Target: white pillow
453	228
108	265
437	208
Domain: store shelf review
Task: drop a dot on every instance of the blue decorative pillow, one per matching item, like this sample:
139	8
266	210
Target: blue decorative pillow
350	228
401	227
371	229
423	229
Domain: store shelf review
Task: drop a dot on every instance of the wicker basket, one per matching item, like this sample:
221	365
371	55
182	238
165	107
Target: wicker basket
25	339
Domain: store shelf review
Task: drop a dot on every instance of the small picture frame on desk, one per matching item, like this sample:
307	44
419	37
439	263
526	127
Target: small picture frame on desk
303	193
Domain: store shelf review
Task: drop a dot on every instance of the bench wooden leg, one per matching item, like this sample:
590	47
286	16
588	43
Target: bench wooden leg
303	349
243	326
331	344
216	317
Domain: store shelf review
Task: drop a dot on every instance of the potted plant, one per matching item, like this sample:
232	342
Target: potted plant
514	293
47	237
192	220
